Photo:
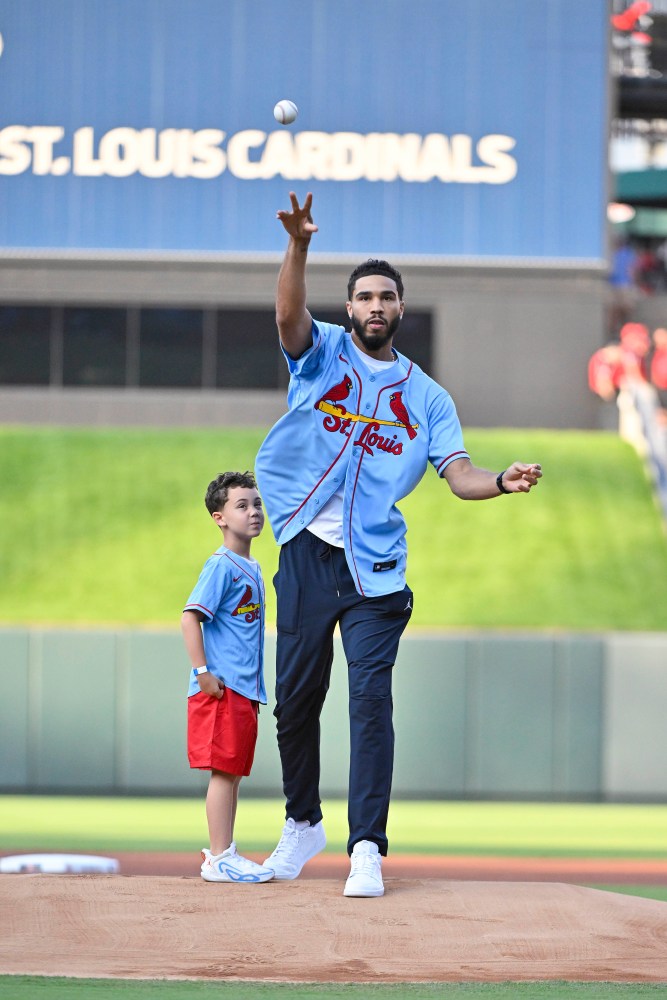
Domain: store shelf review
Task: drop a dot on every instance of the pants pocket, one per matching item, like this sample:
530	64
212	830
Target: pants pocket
289	597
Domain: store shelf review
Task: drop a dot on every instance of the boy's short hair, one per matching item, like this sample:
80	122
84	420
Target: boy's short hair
217	493
374	266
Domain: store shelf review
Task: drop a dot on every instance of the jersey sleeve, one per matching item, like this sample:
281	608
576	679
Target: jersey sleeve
306	369
308	366
309	361
445	434
210	588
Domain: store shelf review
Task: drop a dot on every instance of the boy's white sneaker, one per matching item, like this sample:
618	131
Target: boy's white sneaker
365	878
295	847
230	866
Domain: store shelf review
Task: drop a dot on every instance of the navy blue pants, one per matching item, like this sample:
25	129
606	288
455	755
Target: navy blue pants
315	592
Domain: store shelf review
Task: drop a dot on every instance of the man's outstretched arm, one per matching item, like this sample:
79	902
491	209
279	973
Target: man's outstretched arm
469	482
293	319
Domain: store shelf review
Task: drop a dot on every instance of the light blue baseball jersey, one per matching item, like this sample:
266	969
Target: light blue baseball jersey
375	432
230	594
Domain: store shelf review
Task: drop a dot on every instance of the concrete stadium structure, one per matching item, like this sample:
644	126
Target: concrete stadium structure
511	343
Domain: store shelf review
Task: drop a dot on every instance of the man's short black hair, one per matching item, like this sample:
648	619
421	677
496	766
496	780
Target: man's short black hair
218	490
373	266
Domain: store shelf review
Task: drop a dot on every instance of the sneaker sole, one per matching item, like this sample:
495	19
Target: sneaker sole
239	881
363	895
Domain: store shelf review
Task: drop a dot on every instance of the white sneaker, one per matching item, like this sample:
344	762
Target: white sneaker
365	878
230	866
294	848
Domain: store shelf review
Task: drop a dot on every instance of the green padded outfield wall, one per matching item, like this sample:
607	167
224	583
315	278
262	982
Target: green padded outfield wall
476	714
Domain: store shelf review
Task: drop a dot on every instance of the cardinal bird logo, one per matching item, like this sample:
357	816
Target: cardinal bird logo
398	409
245	607
336	393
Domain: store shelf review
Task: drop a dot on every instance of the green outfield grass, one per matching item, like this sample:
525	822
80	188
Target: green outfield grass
35	988
109	526
506	828
647	891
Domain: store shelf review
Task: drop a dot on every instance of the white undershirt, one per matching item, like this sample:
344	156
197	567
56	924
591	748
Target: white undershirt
328	524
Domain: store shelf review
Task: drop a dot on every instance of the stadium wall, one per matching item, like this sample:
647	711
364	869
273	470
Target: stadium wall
511	343
493	715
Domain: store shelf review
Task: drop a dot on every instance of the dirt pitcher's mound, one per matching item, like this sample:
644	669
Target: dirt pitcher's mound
307	931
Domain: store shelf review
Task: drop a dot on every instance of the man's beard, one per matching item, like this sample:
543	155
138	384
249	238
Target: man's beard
375	341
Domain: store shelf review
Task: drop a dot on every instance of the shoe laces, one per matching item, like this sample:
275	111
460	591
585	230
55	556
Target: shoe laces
289	839
365	864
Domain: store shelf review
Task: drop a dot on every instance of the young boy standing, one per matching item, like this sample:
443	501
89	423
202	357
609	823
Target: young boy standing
223	629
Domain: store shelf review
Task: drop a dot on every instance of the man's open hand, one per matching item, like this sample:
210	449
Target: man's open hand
299	222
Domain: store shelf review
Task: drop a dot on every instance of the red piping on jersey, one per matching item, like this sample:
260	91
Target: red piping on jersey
242	568
449	457
326	473
356	478
202	606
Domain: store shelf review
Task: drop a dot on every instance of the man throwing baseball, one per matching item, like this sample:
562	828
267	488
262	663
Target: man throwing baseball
362	426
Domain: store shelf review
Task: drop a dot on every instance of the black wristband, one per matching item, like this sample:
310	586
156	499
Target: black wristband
499	482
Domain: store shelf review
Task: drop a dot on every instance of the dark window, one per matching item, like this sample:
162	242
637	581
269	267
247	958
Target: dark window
241	348
94	348
170	348
24	345
248	355
338	317
414	337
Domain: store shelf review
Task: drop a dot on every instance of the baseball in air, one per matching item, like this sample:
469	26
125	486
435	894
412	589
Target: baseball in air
285	112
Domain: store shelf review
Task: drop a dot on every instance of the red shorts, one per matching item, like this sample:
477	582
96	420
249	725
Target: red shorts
222	732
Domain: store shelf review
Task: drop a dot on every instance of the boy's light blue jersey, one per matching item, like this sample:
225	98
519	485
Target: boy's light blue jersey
375	432
230	594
